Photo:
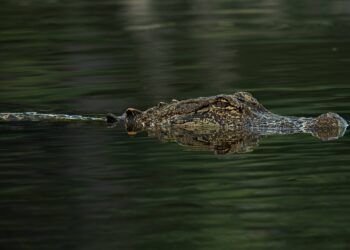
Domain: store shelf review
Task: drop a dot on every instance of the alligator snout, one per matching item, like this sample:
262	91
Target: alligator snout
329	120
327	126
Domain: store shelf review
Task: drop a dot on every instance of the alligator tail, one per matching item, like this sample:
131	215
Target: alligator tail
34	116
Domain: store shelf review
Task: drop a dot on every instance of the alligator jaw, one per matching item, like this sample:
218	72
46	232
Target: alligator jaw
328	126
237	112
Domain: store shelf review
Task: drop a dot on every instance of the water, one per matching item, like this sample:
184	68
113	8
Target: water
87	186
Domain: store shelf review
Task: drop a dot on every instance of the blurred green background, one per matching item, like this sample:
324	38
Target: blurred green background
90	187
94	56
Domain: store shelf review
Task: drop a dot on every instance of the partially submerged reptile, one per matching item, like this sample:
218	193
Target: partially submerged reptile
237	112
221	116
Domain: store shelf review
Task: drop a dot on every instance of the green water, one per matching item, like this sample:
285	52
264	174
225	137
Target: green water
81	186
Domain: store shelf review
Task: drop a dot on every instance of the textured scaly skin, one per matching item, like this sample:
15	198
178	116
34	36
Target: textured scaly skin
237	112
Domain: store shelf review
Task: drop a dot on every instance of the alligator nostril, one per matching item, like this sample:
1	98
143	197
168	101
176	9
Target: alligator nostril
330	120
329	126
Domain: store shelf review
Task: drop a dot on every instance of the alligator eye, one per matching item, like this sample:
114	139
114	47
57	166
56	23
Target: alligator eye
246	98
221	103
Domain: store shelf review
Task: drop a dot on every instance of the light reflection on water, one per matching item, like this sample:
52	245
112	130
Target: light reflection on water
79	186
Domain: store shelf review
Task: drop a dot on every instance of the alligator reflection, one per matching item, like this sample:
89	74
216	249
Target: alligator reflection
228	141
224	123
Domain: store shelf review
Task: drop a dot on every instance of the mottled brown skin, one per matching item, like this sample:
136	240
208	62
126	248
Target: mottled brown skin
237	112
229	111
224	123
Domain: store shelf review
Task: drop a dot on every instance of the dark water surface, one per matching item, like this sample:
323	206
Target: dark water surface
86	186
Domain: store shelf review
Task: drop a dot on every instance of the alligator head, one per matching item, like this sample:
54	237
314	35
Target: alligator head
237	112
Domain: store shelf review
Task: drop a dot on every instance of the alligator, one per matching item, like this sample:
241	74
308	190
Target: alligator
213	121
236	112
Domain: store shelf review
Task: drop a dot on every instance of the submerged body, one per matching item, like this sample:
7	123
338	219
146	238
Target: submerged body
223	123
34	116
237	112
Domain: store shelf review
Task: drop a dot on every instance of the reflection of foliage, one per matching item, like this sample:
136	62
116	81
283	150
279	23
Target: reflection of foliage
60	51
63	50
